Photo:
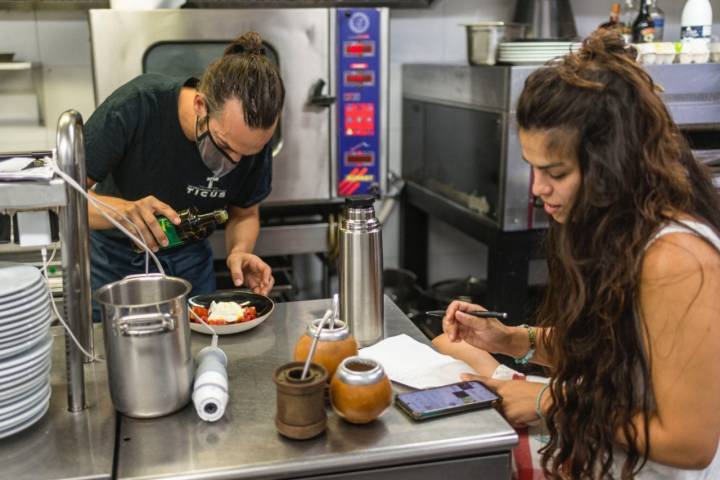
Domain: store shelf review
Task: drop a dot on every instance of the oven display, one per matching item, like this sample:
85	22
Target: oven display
359	158
358	69
359	48
359	78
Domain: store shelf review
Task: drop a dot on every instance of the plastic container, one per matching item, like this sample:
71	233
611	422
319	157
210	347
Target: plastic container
483	40
696	21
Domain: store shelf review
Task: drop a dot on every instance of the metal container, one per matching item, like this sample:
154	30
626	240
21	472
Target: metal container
360	270
547	19
483	40
147	344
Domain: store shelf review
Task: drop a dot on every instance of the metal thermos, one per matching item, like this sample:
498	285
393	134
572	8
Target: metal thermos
360	270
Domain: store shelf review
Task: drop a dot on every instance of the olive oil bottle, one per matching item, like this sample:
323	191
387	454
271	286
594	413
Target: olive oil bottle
193	226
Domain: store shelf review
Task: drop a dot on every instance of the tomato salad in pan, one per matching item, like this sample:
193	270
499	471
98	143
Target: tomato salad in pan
224	313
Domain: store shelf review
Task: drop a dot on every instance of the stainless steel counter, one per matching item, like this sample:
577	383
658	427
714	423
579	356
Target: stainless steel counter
64	445
245	444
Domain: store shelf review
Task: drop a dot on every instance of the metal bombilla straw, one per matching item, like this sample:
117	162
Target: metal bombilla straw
329	314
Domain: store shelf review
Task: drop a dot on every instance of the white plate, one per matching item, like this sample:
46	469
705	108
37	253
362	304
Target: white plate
8	394
38	331
538	44
229	329
16	278
28	296
41	312
22	325
29	356
8	352
11	379
8	316
260	302
24	403
22	422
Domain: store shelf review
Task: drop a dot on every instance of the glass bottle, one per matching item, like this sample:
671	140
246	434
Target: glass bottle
193	226
658	17
614	21
628	18
644	26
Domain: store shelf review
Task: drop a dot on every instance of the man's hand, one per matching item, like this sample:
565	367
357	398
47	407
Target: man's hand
142	213
249	270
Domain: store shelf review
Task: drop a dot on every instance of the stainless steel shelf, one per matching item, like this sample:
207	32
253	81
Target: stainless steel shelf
32	195
12	66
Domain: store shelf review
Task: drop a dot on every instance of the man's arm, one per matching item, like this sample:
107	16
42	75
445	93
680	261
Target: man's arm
241	233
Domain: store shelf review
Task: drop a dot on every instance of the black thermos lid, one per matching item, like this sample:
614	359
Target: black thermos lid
360	201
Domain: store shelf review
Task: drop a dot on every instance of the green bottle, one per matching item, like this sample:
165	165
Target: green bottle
193	226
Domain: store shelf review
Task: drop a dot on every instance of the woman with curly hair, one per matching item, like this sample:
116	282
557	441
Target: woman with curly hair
630	324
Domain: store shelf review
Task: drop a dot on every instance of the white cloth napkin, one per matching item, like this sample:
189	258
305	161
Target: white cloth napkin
14	169
414	364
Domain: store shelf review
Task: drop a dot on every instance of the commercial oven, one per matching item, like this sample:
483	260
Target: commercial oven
460	138
332	137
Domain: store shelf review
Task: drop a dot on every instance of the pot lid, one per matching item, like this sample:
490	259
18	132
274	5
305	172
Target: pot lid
469	289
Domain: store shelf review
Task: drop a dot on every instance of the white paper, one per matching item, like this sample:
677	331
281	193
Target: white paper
414	364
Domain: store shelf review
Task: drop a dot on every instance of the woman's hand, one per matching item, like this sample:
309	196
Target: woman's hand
249	270
485	333
518	398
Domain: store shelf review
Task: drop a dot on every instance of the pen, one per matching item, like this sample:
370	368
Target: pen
477	313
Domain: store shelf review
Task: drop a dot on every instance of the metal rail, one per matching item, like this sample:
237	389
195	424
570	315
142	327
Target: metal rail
75	254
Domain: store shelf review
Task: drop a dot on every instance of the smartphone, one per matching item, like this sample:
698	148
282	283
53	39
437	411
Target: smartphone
445	400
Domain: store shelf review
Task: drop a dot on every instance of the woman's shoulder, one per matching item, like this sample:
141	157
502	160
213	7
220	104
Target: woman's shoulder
682	246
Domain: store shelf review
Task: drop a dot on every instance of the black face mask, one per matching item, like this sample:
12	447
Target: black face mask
212	156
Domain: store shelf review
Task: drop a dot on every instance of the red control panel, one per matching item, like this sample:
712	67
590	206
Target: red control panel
359	119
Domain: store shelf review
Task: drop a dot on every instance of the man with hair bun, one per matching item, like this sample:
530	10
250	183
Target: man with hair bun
158	145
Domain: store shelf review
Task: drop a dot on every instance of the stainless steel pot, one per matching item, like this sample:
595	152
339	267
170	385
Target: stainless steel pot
483	40
147	344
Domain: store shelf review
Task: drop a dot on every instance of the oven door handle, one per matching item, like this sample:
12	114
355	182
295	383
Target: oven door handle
317	98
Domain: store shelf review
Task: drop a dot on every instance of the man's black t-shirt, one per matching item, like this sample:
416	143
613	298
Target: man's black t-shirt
135	147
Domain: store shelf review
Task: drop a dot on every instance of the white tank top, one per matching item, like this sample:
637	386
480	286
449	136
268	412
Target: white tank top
653	470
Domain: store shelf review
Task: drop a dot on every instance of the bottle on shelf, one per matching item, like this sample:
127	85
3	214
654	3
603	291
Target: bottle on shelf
658	16
644	25
696	21
193	226
627	20
614	22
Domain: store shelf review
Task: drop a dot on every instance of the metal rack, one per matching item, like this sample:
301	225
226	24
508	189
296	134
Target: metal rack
73	222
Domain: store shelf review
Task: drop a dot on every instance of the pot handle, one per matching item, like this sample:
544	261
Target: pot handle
145	324
143	275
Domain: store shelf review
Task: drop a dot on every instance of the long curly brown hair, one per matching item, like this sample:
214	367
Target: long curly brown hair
637	173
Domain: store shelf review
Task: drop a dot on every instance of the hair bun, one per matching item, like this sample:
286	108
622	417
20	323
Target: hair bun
603	43
249	43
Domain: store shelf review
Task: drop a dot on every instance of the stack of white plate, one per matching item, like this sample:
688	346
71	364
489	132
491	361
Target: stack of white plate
532	53
25	348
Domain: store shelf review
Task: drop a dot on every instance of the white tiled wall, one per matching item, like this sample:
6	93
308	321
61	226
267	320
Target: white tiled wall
58	45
